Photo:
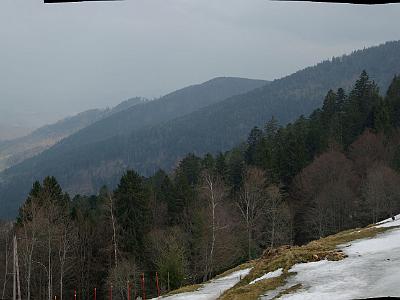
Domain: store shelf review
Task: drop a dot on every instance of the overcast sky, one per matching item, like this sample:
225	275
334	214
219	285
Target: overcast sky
60	59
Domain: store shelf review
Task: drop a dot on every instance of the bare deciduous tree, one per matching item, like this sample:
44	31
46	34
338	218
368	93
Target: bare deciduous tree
381	190
251	202
278	218
5	244
325	187
110	207
119	277
65	237
368	150
29	230
213	191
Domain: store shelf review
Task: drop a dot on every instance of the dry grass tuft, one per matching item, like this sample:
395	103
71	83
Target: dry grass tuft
255	290
290	290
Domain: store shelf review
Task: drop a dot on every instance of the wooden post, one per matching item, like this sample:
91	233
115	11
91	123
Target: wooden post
111	292
129	291
75	294
95	294
168	282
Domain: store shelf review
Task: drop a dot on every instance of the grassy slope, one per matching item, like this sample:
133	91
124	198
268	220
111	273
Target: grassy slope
287	256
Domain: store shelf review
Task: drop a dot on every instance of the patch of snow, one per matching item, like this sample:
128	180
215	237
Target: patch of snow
269	275
213	289
372	269
389	222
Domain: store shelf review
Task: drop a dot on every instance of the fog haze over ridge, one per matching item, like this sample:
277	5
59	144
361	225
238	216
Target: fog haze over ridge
57	60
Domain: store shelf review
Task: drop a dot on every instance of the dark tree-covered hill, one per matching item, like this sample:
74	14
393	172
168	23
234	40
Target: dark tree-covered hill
84	162
17	150
90	127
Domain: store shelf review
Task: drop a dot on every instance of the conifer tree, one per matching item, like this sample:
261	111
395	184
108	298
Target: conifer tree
220	165
254	139
208	162
166	193
381	115
132	212
358	108
393	101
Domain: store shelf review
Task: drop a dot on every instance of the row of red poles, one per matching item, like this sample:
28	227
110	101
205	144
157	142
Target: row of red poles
129	290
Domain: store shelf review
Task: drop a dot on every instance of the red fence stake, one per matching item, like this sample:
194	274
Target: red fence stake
157	285
129	291
95	293
143	289
111	292
74	294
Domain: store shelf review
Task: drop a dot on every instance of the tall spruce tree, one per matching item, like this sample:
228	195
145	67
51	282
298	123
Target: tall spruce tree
132	213
359	107
393	100
221	166
165	192
253	141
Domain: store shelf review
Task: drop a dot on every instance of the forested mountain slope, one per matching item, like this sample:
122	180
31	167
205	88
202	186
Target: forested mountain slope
15	151
129	115
223	125
89	159
166	108
318	177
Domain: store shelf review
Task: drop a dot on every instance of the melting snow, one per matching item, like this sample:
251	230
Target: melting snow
371	270
213	289
389	222
269	275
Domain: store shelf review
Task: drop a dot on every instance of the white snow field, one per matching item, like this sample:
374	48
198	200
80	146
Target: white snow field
269	275
372	269
213	289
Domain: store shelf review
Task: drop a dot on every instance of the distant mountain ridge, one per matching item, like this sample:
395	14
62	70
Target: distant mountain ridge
9	131
126	119
166	108
96	155
17	150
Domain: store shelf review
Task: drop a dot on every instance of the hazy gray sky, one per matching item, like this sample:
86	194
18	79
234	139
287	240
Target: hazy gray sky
56	60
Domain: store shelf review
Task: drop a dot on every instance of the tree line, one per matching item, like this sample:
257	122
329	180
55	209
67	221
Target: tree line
334	170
